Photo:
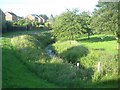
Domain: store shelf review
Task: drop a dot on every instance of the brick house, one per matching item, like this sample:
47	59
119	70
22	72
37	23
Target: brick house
10	16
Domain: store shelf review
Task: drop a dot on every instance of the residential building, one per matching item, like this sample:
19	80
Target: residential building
10	16
34	17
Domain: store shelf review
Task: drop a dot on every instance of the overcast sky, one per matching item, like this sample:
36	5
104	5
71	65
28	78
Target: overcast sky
55	7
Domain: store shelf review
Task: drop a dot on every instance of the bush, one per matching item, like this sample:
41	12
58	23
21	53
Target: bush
71	51
30	46
27	46
75	53
48	25
108	65
59	46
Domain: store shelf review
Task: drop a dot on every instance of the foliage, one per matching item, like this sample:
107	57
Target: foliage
48	25
70	50
26	23
19	23
30	45
25	45
15	74
86	20
105	18
70	25
102	51
53	69
67	26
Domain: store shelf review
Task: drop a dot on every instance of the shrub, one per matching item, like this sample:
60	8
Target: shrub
48	25
90	60
74	53
70	50
59	46
30	46
27	46
108	65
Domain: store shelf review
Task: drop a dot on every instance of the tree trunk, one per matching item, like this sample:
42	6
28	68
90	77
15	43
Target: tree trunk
88	35
118	45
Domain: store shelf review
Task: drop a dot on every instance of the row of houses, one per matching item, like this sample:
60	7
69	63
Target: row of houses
10	16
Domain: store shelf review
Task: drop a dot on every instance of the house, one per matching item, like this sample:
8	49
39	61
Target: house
2	20
10	16
34	17
20	18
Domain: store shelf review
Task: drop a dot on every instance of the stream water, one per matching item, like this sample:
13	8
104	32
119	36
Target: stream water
49	51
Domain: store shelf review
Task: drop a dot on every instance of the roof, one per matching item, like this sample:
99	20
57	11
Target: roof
39	18
12	13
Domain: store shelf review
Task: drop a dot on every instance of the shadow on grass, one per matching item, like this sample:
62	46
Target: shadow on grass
98	39
98	49
107	84
73	54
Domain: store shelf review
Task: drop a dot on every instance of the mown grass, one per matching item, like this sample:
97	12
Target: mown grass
106	43
29	52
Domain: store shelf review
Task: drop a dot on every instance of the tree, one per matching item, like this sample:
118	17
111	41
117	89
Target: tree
67	25
86	20
105	18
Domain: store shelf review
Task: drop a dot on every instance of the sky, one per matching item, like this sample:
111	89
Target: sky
48	7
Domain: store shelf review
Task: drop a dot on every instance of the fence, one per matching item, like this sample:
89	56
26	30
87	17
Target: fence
20	28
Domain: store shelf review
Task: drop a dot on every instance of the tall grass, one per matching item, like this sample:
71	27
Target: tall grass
15	74
71	51
30	48
59	73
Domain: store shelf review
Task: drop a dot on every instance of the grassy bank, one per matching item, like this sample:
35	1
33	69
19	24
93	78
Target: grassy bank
15	73
98	49
32	63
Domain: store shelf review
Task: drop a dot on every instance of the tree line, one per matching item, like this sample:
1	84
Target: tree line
71	24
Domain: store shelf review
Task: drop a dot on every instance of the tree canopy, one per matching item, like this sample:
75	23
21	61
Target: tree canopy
71	24
105	18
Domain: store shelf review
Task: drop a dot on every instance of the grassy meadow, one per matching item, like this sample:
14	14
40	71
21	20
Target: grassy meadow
25	63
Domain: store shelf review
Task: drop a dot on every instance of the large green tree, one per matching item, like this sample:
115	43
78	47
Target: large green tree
105	18
68	25
86	20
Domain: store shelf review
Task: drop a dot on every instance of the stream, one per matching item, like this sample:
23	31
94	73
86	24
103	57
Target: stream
49	51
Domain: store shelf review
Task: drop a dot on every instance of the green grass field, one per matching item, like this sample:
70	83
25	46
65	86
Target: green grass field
26	65
107	43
